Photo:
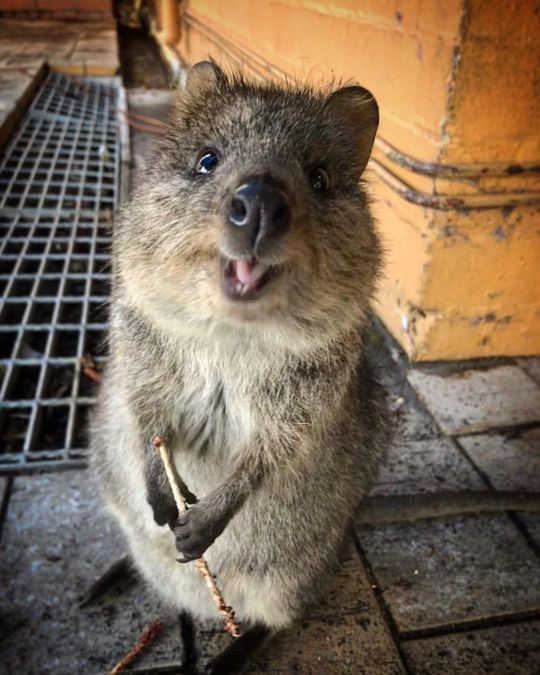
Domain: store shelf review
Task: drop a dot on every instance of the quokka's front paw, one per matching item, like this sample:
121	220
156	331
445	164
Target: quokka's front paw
196	530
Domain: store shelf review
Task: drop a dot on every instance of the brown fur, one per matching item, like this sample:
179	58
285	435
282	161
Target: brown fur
275	424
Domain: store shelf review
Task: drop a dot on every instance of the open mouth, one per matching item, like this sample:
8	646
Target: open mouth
246	279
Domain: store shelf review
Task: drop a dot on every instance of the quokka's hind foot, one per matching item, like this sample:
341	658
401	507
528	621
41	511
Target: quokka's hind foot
120	572
187	630
236	656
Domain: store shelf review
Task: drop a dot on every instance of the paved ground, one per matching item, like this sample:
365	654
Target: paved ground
77	48
456	595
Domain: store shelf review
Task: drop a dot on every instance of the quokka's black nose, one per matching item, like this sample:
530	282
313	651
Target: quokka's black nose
259	212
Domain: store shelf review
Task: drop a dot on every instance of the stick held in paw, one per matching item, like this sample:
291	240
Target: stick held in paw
181	494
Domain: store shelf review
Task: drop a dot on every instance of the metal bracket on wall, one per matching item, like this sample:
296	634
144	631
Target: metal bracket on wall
60	184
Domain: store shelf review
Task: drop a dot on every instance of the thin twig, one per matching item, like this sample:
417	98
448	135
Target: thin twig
148	125
89	368
146	129
148	120
226	612
146	638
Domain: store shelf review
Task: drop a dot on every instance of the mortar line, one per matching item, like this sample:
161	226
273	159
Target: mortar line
512	515
383	606
4	506
484	623
404	367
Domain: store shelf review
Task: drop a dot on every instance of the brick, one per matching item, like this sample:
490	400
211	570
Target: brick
434	574
3	488
78	9
55	541
409	421
93	5
476	400
532	523
425	466
531	366
64	15
348	593
343	633
25	61
54	5
48	559
493	651
15	88
91	16
511	463
98	45
347	646
16	5
89	67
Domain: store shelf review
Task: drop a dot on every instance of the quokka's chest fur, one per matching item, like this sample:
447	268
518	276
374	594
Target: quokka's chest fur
221	399
212	413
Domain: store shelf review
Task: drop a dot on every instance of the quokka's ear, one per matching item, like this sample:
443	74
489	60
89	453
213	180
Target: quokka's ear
203	76
358	109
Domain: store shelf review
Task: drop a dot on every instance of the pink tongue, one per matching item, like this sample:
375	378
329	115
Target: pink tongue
247	272
244	271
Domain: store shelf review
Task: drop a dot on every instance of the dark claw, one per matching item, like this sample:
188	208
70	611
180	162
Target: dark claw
187	557
234	658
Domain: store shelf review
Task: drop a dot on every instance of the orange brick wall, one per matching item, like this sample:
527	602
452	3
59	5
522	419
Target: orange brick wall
456	166
71	10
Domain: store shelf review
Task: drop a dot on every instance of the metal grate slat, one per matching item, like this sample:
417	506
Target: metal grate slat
59	186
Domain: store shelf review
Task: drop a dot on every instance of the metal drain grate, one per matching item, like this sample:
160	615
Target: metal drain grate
65	154
59	185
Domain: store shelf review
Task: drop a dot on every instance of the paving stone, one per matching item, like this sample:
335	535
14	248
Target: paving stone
531	366
532	523
409	421
505	650
60	43
434	573
71	47
426	466
344	633
347	647
15	91
47	561
54	543
3	487
476	400
511	463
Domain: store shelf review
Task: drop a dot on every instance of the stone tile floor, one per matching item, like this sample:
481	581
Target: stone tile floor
457	595
76	48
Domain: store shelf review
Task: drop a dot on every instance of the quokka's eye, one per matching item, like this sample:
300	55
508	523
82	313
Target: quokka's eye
207	162
319	180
